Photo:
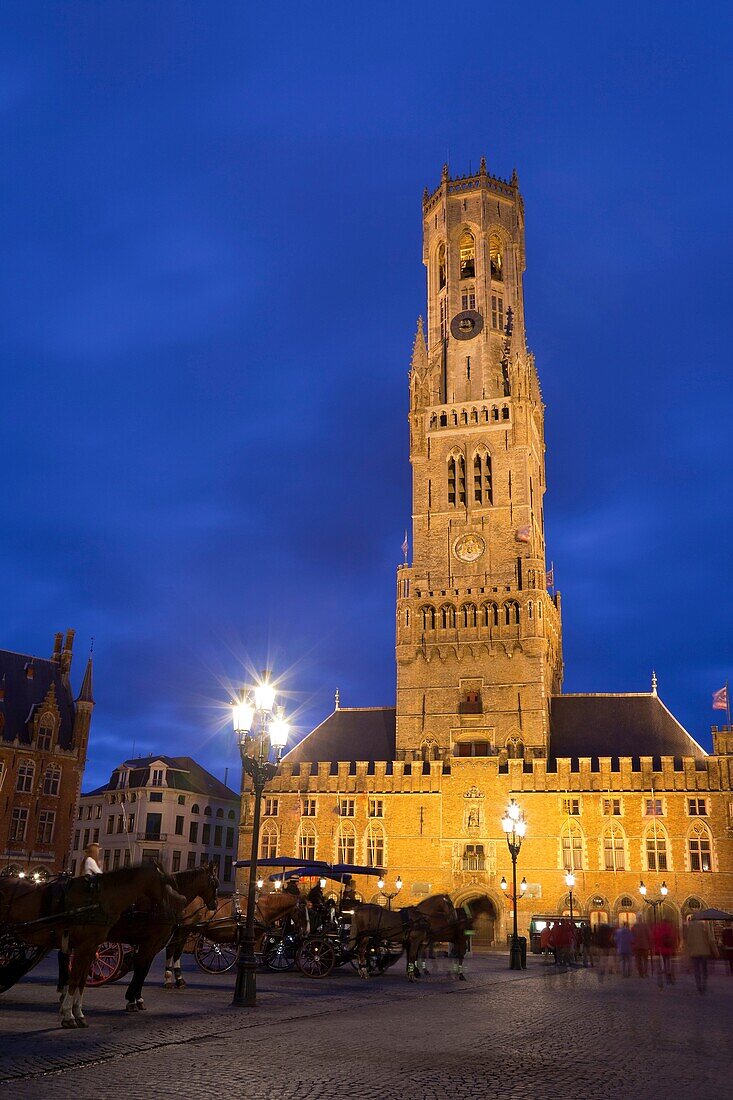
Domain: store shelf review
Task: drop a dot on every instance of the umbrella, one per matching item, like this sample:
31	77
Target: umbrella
711	914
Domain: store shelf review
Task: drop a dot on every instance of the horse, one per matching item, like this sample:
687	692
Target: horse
449	925
223	927
78	916
149	929
407	926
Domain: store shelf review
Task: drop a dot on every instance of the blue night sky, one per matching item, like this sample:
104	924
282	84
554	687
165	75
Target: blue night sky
211	274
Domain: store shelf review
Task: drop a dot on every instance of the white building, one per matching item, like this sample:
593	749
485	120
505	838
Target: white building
166	808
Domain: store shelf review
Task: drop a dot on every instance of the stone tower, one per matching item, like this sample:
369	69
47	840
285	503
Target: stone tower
479	649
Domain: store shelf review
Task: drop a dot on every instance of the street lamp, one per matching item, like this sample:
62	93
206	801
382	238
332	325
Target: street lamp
395	892
259	725
515	827
654	902
570	882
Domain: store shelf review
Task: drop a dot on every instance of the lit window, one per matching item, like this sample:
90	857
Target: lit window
474	857
467	250
700	850
441	266
572	849
614	857
656	852
496	260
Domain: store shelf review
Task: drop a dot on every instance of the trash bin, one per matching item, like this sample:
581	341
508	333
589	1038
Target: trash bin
523	950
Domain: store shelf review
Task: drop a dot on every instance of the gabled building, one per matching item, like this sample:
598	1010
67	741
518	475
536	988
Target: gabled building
614	789
44	732
166	808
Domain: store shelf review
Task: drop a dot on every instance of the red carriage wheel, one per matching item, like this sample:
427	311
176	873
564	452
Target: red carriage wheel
107	965
316	957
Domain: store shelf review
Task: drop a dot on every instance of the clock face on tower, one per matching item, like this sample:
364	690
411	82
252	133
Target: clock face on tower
469	547
466	325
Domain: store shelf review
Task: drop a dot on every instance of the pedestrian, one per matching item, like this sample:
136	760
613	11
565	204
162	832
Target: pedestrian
641	942
564	940
700	946
90	866
552	934
545	943
623	942
586	942
605	945
665	940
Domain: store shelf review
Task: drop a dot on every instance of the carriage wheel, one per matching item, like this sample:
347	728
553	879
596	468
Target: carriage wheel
214	958
316	957
278	953
378	958
16	959
107	965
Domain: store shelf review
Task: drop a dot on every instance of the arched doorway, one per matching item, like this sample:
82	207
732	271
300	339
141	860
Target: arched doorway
599	911
486	926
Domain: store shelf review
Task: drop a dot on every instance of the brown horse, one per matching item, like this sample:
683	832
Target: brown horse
80	917
375	924
148	928
450	925
223	925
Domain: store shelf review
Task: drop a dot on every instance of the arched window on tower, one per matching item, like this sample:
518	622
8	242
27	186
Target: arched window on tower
467	250
428	617
447	617
429	750
456	480
441	266
497	260
483	489
511	612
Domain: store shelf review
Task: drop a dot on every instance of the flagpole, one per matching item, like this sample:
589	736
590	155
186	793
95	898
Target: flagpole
727	701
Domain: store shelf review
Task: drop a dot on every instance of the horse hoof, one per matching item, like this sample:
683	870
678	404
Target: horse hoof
68	1022
461	977
81	1021
130	1007
180	984
140	1005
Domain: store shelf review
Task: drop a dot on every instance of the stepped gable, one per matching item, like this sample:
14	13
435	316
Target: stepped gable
617	725
23	693
349	733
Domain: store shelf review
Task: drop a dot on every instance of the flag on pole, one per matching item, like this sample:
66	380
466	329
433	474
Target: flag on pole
720	699
550	577
524	534
405	547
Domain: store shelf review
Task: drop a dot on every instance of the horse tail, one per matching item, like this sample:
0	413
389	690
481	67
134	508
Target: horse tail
353	932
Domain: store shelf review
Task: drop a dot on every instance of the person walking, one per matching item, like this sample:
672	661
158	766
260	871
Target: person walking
605	945
665	939
622	939
641	942
586	942
700	946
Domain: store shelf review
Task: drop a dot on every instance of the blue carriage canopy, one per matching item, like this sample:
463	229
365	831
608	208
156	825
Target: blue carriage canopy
338	872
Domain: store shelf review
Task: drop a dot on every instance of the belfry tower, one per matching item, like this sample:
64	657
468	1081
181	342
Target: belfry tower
479	648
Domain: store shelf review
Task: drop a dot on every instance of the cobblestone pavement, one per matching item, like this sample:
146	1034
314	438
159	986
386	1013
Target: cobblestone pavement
530	1035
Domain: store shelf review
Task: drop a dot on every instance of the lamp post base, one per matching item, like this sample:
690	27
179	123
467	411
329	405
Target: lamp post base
515	957
245	989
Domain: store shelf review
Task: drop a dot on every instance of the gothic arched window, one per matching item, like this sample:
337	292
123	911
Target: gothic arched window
614	851
429	750
376	846
346	843
447	617
307	842
467	250
456	480
45	734
489	614
441	266
511	612
572	847
268	840
483	489
428	617
468	615
699	848
655	846
497	259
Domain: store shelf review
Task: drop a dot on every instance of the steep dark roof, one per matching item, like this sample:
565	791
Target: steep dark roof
22	695
86	692
358	733
616	725
182	774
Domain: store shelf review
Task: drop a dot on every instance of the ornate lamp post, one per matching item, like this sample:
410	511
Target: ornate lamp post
654	902
395	892
259	726
515	827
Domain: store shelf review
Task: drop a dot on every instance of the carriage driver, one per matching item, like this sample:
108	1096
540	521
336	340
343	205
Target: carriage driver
317	903
90	866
